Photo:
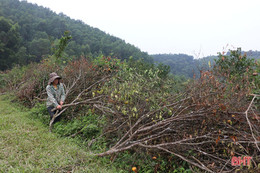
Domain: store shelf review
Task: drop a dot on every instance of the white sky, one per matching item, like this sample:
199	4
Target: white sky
195	27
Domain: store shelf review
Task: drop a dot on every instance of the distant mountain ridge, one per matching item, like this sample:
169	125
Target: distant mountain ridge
186	65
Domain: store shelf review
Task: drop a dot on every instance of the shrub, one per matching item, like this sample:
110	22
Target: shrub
234	74
87	126
13	78
35	79
234	64
39	111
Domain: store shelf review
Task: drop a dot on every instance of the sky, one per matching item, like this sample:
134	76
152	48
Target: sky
194	27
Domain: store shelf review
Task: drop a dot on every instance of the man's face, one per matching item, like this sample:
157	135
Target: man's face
56	81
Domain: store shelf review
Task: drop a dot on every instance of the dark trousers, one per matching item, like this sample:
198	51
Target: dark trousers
52	113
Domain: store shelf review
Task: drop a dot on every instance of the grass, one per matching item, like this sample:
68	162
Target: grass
26	145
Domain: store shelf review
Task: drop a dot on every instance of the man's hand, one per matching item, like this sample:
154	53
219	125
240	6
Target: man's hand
61	103
58	107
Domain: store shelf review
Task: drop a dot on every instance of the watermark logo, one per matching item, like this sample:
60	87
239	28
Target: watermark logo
237	161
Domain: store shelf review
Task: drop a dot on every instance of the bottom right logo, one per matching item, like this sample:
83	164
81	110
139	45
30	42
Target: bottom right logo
237	161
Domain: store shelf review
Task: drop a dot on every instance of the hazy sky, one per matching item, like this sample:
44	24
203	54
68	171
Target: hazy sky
195	27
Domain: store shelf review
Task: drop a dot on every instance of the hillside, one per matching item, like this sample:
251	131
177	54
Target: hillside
29	32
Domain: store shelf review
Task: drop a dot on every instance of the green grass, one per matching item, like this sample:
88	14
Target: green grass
26	145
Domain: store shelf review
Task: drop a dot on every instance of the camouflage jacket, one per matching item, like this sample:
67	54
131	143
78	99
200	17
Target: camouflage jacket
55	95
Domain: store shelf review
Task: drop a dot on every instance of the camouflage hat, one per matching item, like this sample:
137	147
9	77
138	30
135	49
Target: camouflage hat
53	76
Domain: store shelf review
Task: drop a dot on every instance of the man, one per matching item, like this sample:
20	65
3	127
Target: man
56	94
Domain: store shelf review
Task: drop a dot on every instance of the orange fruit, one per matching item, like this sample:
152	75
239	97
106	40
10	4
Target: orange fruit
134	169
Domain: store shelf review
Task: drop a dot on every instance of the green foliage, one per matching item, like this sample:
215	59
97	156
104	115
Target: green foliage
257	76
133	91
145	162
39	111
59	49
106	64
239	71
14	78
9	42
39	48
235	64
163	70
2	81
144	68
87	126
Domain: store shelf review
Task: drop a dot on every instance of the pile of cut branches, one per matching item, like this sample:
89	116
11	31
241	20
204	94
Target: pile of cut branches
203	126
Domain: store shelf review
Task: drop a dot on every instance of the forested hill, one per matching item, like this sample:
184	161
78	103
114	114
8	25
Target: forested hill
186	65
182	64
27	32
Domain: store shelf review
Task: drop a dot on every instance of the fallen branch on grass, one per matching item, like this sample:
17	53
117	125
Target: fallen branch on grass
249	123
80	102
40	99
66	106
